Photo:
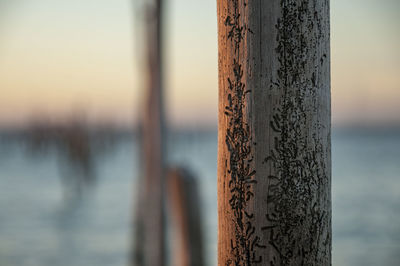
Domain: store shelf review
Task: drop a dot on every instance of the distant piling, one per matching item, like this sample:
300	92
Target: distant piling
150	231
184	201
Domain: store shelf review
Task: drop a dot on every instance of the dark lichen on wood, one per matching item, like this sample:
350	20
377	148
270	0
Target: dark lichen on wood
296	219
239	144
274	197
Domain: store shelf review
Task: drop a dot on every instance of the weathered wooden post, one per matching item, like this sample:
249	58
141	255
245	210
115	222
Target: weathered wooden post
274	158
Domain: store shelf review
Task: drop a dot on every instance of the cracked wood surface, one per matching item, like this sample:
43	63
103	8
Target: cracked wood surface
274	157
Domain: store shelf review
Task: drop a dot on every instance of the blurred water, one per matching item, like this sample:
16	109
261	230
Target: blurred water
38	228
366	198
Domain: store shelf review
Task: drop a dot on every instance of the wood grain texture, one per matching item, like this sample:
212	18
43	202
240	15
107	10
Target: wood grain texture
274	157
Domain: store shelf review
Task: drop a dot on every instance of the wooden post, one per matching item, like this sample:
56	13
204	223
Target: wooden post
184	200
153	146
274	158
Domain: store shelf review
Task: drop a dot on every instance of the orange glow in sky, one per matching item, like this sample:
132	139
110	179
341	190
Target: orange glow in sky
59	55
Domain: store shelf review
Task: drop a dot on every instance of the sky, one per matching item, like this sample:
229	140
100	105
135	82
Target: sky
57	57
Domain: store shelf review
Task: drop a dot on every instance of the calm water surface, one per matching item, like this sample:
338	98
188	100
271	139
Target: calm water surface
39	228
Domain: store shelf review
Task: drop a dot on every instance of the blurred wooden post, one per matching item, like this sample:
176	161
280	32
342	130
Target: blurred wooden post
184	200
274	157
150	245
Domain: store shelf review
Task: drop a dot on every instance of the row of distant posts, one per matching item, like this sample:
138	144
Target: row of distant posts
160	182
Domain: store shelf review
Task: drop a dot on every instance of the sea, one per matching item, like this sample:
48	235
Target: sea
39	226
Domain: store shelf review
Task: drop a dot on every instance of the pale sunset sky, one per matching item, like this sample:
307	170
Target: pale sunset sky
57	57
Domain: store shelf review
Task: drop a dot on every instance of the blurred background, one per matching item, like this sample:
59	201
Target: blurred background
71	93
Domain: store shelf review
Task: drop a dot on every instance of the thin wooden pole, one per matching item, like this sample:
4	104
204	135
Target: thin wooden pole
153	143
274	157
184	199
